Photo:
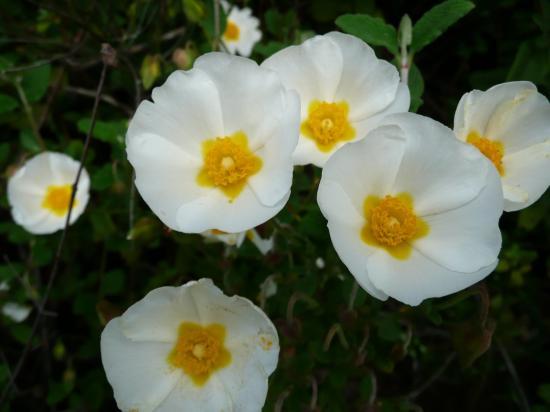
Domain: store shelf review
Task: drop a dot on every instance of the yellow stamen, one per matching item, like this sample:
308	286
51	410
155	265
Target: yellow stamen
491	149
391	224
57	199
200	351
327	124
228	163
232	31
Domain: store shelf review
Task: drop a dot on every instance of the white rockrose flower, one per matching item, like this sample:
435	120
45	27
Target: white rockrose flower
214	148
236	239
344	90
39	192
510	125
190	348
241	30
412	212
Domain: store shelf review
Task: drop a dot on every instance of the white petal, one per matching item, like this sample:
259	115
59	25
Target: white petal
467	238
417	278
354	253
367	167
138	371
437	170
252	99
273	181
336	205
157	317
313	69
166	176
185	111
186	396
16	312
522	122
264	245
368	84
216	211
526	171
476	108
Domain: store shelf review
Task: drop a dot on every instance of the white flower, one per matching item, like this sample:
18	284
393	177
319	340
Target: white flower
344	89
190	348
16	312
241	30
237	239
39	192
214	149
510	125
412	212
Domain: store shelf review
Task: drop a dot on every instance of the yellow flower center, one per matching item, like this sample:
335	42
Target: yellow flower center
232	31
327	124
200	351
228	163
57	199
391	224
491	149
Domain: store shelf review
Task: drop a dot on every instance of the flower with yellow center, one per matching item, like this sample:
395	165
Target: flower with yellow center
190	348
412	212
40	192
345	90
241	30
214	149
510	125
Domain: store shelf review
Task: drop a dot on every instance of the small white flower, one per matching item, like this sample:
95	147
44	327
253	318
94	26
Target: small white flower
190	348
241	30
214	149
16	312
510	125
344	89
412	212
39	192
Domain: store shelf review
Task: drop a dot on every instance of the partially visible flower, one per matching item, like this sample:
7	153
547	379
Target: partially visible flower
16	312
344	89
412	212
214	149
510	125
40	191
236	239
190	348
241	30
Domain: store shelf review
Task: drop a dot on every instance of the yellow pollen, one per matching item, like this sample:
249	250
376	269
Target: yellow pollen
200	351
57	199
491	149
327	124
228	163
391	224
232	31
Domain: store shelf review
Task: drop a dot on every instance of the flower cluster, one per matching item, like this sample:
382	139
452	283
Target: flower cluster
412	206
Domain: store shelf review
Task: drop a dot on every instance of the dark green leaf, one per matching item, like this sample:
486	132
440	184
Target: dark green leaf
110	132
372	30
416	87
103	178
112	282
7	103
29	142
36	81
435	21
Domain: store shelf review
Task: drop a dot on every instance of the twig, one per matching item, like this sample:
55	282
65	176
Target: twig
216	42
314	394
281	400
28	112
523	403
104	98
336	329
109	58
353	295
415	393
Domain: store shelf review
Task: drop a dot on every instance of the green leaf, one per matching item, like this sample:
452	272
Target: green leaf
103	178
416	87
267	49
28	141
110	132
7	103
194	10
435	21
36	81
372	30
150	70
112	282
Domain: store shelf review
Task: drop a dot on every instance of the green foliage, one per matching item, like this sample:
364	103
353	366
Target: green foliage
435	21
373	30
